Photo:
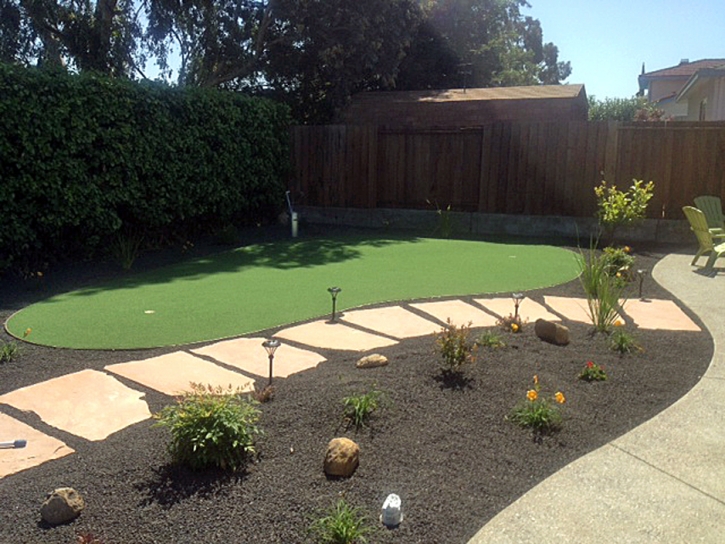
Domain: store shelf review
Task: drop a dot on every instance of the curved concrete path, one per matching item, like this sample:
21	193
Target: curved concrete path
663	481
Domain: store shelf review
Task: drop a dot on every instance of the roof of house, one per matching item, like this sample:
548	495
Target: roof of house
700	75
685	69
493	93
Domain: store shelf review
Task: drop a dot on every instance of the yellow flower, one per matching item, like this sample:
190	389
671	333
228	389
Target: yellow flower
560	398
532	395
27	332
626	249
514	327
619	323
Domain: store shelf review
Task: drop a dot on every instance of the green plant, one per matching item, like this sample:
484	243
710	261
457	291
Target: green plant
623	341
211	426
444	226
617	208
341	524
264	394
604	292
358	408
511	323
593	372
453	345
126	247
490	339
538	412
8	351
617	259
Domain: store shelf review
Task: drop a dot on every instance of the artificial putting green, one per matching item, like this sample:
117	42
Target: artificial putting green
268	285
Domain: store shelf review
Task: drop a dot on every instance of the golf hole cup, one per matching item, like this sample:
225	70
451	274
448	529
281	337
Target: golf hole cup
391	515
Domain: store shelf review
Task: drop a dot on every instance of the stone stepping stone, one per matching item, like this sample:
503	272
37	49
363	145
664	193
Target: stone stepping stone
89	404
326	335
659	314
575	309
393	321
173	373
529	310
40	448
248	355
459	312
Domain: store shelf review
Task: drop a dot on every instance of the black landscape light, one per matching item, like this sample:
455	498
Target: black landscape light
271	346
518	297
334	291
641	273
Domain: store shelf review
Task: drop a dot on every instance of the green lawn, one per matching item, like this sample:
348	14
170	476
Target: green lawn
267	285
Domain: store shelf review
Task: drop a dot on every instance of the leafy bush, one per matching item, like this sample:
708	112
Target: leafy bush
538	412
211	427
593	372
622	341
358	408
8	351
84	157
453	345
617	208
342	524
489	339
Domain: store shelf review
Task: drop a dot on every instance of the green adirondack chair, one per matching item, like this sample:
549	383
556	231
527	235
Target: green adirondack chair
711	206
705	238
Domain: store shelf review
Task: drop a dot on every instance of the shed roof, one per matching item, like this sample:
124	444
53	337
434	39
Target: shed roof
492	93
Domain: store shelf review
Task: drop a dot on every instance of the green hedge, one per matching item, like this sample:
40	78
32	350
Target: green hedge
86	157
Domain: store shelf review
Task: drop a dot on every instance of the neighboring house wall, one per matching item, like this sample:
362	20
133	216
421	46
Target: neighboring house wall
704	96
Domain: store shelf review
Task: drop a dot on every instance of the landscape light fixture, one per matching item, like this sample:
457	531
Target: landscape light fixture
641	273
334	291
13	444
271	346
518	297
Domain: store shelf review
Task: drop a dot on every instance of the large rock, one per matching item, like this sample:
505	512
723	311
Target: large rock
62	505
551	332
372	361
342	457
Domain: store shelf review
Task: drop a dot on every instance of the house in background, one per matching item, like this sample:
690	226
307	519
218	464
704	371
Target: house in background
690	91
456	108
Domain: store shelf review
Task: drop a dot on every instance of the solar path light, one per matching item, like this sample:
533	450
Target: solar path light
271	346
518	297
334	291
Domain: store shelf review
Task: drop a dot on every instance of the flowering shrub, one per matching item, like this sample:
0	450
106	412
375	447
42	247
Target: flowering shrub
454	347
622	208
511	323
593	372
538	412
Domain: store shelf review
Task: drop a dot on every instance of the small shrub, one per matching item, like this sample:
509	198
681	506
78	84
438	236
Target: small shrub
263	395
593	372
211	427
342	524
454	347
490	339
358	408
617	208
623	341
537	412
444	227
8	351
126	248
618	260
603	292
511	323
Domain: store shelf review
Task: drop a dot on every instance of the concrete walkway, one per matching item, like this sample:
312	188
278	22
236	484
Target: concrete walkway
663	481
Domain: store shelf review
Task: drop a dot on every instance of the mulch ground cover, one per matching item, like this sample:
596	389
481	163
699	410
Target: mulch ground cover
447	449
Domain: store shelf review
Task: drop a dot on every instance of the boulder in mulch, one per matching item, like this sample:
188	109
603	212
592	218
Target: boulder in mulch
342	457
372	361
551	332
61	506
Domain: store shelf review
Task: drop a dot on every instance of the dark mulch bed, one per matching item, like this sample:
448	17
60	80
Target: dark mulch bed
446	449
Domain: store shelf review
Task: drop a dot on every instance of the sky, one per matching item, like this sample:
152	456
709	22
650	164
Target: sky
607	41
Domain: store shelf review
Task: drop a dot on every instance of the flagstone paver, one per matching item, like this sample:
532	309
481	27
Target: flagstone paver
575	309
248	355
40	447
458	311
529	310
323	334
393	321
89	404
659	314
174	372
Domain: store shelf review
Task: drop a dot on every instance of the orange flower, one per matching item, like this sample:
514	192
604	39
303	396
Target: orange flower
560	398
514	327
619	323
532	395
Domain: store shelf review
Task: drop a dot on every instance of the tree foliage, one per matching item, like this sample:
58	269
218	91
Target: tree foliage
636	108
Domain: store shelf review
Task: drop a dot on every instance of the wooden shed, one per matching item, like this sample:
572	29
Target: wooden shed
467	107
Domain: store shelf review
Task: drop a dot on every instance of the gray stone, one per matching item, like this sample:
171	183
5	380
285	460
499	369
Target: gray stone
551	332
372	361
62	505
342	457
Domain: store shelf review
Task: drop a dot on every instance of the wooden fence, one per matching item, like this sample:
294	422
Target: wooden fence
512	168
